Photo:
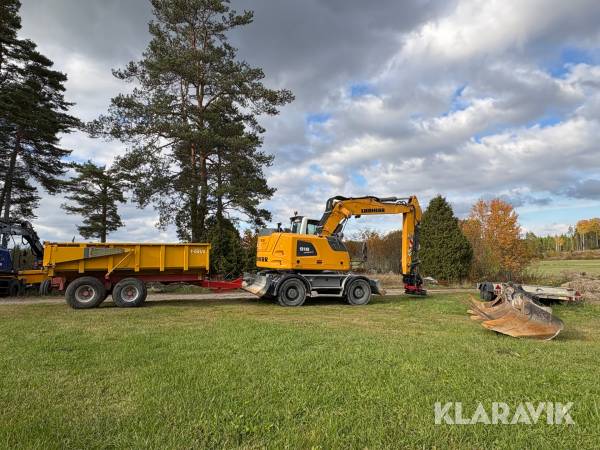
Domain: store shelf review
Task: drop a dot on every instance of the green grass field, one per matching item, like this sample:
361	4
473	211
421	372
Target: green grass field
252	374
554	268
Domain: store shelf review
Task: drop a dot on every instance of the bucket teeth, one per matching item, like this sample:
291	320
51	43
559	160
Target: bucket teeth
516	313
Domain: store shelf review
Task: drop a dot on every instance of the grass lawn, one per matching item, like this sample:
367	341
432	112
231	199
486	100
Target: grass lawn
555	268
252	374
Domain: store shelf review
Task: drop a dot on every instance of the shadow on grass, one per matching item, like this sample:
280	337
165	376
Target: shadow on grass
310	302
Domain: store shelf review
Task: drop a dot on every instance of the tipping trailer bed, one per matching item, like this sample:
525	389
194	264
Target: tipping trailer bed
489	290
88	273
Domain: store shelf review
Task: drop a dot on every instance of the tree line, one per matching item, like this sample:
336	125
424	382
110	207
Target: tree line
585	235
485	245
190	128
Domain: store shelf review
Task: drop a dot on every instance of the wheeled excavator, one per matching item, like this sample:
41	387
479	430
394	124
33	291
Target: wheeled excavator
310	259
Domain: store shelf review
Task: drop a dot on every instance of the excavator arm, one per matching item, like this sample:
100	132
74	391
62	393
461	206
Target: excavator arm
339	209
25	230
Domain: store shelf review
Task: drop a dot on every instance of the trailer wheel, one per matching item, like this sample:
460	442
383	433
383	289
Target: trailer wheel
129	293
85	293
486	291
487	296
292	292
45	287
359	292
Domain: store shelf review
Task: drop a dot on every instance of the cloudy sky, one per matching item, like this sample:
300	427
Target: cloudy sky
470	98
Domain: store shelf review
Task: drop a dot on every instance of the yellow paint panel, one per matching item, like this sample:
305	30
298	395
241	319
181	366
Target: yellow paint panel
279	251
137	257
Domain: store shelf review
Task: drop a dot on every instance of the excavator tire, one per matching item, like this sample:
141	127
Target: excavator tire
292	292
359	292
14	288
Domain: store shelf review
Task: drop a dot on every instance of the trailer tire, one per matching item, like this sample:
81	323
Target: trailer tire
486	292
129	293
487	296
85	293
359	292
45	287
292	292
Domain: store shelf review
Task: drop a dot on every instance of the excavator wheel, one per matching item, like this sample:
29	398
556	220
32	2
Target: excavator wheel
14	288
292	292
359	292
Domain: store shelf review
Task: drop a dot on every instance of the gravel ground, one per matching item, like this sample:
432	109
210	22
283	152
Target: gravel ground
165	297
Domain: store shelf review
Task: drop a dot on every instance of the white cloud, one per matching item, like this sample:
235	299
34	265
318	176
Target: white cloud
462	100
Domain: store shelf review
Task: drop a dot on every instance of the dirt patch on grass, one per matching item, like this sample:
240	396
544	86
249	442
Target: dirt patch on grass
587	285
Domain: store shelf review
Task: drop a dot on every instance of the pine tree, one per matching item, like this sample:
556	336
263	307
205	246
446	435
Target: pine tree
95	192
11	48
192	87
445	253
33	114
24	198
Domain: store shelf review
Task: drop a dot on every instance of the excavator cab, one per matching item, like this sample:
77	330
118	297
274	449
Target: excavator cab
303	225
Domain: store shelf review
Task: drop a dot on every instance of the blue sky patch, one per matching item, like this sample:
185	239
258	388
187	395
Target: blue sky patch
358	179
361	89
457	102
317	118
315	169
570	56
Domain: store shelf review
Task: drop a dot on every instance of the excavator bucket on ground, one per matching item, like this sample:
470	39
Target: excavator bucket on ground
256	284
518	314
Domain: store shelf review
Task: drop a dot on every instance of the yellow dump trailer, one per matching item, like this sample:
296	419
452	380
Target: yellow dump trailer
90	272
127	257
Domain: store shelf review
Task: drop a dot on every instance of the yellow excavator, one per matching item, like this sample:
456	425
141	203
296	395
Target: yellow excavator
310	260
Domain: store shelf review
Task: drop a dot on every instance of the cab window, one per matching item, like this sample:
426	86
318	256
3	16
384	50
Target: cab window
311	228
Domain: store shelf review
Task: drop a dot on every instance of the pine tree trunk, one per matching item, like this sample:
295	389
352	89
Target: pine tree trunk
104	231
219	213
203	207
8	183
194	214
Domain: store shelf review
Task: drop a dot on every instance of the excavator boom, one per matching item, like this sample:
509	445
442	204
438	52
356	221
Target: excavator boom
340	209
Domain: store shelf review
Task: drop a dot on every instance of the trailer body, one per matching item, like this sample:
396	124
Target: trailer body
89	272
490	290
126	258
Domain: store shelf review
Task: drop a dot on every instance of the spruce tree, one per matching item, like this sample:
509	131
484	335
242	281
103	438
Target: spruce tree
94	193
227	255
445	253
33	114
189	80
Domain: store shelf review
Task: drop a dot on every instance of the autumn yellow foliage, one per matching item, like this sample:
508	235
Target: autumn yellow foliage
493	230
